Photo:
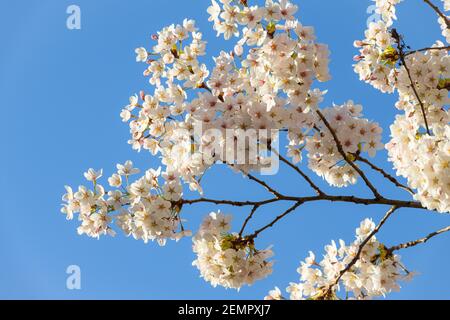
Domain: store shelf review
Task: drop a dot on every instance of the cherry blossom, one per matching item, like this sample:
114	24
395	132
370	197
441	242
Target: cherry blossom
420	136
224	258
376	272
236	108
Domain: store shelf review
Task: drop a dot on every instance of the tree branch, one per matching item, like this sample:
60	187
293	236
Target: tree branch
439	12
278	218
385	174
265	185
255	207
418	241
346	199
228	202
305	177
344	155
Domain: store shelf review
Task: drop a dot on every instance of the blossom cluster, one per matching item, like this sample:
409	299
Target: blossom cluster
156	120
387	10
375	273
354	133
377	57
145	209
263	87
420	137
423	159
444	26
225	258
229	15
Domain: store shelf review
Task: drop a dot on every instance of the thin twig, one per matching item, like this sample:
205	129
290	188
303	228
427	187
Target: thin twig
305	177
278	218
344	155
265	185
255	207
418	241
385	174
401	53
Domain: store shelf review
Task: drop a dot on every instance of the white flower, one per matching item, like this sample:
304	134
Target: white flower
446	5
125	115
365	229
92	175
72	204
213	11
238	50
127	169
287	9
115	180
274	294
142	55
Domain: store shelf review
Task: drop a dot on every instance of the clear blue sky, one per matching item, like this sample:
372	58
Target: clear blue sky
61	94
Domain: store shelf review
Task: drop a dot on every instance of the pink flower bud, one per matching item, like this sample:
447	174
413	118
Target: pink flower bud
358	44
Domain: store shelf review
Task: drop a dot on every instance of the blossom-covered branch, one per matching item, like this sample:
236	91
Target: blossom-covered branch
401	53
418	241
346	156
360	250
236	113
384	173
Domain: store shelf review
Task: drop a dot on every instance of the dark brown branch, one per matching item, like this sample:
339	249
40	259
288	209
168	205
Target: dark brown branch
344	155
228	202
385	174
401	53
244	3
345	199
265	185
305	177
255	207
278	218
439	12
418	241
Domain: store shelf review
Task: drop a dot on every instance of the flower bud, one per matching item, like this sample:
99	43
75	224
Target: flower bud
358	44
238	50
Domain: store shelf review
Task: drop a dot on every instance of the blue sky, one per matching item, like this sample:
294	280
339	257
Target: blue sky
61	95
